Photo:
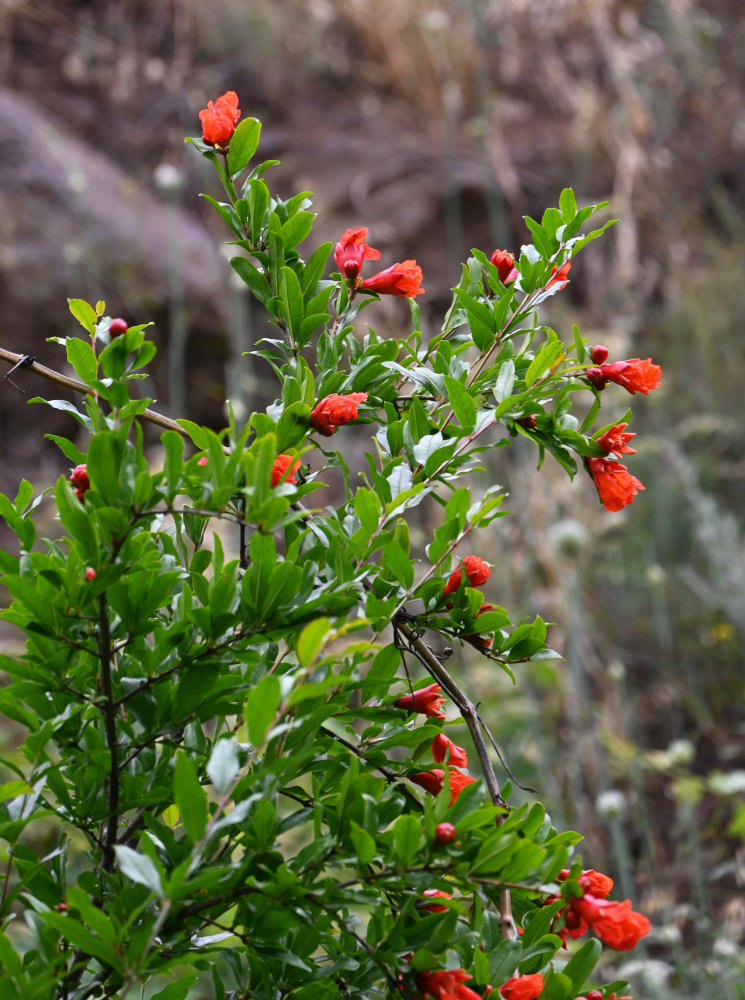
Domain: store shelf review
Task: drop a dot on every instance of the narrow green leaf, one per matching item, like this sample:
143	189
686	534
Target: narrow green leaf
139	868
407	838
260	708
568	204
310	641
297	228
190	797
176	991
545	359
462	403
222	767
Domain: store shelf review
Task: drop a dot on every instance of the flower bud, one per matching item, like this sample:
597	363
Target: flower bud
445	833
90	574
599	354
529	421
117	327
596	376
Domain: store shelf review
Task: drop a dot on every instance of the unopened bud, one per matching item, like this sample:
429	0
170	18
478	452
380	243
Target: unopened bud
445	833
351	270
117	327
90	573
595	375
528	421
599	354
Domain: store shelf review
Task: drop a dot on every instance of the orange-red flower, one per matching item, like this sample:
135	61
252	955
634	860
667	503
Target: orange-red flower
635	375
434	907
615	484
404	280
219	119
446	985
284	469
426	700
617	440
522	987
617	924
80	481
559	275
433	781
441	744
505	265
477	572
334	411
351	251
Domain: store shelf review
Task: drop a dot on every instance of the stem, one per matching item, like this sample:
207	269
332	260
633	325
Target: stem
109	718
72	383
471	718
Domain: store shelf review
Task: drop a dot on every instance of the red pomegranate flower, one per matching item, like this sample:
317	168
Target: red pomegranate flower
219	119
440	746
446	985
334	411
615	484
635	375
559	275
79	479
284	469
616	440
522	987
477	573
616	924
351	251
402	279
433	781
505	265
427	700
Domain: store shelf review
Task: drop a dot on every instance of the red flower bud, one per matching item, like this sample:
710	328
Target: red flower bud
80	481
599	354
117	327
529	421
560	273
334	411
477	572
90	573
441	744
351	251
445	833
505	265
426	700
202	461
595	375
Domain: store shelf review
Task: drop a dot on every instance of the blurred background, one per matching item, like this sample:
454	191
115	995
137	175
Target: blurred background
439	125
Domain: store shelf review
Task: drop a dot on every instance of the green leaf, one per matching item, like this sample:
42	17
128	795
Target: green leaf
84	313
190	797
545	359
310	641
367	509
581	964
76	521
223	765
505	380
243	144
463	405
568	204
297	228
261	706
83	359
407	838
364	845
176	991
139	868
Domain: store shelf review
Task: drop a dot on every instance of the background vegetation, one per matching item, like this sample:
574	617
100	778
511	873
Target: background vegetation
439	125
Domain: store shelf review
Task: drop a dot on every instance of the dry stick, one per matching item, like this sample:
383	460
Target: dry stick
471	717
72	383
